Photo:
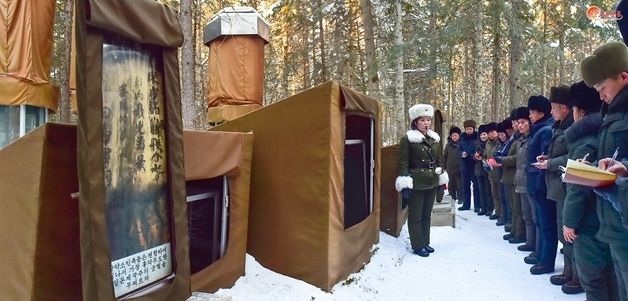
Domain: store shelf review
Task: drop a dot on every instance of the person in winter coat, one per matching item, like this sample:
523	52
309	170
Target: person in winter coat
467	166
508	157
607	71
504	189
538	145
494	172
421	173
486	202
528	207
557	157
579	217
452	163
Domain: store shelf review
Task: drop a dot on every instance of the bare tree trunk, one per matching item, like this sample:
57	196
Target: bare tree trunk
369	42
561	57
514	87
187	65
477	58
543	42
399	102
432	72
306	60
64	104
321	28
496	60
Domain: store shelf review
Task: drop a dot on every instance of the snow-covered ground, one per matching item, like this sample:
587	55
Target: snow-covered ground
471	262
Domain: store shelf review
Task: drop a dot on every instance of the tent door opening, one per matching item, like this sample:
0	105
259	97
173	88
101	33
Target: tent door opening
208	221
358	169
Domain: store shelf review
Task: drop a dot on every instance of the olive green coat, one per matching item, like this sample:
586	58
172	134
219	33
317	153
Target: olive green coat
613	135
557	156
579	211
415	152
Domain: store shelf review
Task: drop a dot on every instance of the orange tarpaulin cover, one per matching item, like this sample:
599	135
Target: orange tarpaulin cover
25	53
236	71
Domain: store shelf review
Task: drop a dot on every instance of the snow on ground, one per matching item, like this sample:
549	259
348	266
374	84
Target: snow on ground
471	262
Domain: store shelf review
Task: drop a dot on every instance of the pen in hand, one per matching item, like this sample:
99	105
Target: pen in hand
613	158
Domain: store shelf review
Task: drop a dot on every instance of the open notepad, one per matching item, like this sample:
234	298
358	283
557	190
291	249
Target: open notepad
587	175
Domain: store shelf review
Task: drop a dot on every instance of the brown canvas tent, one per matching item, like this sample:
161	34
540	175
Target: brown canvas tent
26	54
392	215
39	220
134	236
209	155
314	214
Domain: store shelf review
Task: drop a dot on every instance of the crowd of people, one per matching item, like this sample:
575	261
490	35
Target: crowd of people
511	171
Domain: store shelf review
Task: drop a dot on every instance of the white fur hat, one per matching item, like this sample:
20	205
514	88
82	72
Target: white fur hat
421	110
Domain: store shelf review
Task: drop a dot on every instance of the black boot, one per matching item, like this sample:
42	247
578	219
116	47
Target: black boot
481	212
559	279
539	269
429	249
572	287
500	223
463	208
525	248
515	240
422	252
493	217
507	236
531	259
507	228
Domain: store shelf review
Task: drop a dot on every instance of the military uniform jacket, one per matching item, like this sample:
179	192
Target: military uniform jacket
509	160
492	146
452	157
521	158
538	143
580	201
480	146
557	156
420	158
613	134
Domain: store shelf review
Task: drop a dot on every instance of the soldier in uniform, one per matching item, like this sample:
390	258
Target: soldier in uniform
557	157
580	222
420	176
606	70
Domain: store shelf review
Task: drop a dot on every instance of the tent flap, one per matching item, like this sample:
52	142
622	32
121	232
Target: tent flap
144	21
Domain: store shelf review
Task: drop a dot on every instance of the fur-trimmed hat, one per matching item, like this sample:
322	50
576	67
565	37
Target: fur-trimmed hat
560	95
469	124
491	126
539	103
503	126
421	110
522	113
482	129
454	129
585	98
607	61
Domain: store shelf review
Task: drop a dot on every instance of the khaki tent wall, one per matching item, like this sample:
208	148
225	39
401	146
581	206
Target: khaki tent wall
296	211
212	154
39	221
155	26
392	216
25	53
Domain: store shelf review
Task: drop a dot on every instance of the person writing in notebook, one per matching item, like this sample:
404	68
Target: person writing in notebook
606	70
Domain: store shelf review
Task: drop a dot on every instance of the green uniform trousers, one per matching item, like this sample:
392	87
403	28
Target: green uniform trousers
569	259
497	204
517	226
595	268
420	217
619	252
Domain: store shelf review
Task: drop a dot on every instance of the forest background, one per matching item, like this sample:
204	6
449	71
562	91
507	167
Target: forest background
469	58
